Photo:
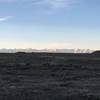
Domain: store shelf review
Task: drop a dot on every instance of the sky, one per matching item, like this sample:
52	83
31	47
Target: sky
52	24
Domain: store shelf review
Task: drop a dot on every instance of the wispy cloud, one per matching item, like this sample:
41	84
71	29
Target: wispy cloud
5	18
46	6
46	3
54	3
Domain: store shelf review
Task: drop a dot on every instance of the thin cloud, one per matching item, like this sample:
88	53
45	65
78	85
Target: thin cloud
46	3
54	3
5	18
45	6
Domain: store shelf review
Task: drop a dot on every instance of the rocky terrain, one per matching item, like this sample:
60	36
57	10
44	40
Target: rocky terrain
49	76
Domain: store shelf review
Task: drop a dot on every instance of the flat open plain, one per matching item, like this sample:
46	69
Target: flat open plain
49	76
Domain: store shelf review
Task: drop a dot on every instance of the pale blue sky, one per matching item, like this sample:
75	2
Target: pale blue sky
50	24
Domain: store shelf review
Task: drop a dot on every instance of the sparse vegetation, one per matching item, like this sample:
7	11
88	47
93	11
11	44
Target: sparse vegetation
49	76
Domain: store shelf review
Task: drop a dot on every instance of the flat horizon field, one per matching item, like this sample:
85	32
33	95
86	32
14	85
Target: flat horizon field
49	76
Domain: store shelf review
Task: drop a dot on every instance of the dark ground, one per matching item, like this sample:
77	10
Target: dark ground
49	76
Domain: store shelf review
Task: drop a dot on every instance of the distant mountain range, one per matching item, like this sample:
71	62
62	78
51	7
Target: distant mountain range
46	50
